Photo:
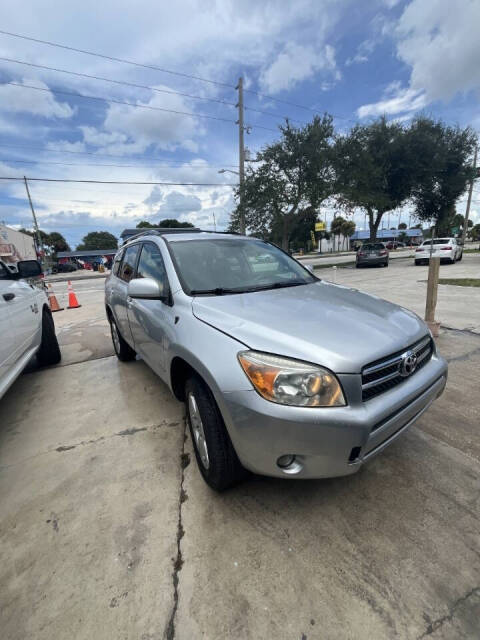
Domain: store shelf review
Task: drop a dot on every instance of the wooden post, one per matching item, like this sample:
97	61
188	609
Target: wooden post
432	289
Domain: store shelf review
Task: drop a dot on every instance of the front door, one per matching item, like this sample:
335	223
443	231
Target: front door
149	318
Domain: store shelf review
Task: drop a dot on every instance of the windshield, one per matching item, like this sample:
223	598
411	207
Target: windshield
219	266
437	241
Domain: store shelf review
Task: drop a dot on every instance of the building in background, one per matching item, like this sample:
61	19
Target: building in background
16	246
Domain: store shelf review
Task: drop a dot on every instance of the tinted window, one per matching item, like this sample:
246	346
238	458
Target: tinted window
151	264
128	265
236	264
437	241
117	262
373	246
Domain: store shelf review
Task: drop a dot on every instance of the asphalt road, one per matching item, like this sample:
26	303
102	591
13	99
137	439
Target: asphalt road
108	531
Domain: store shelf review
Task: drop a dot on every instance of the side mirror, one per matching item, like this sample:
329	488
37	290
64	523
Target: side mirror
28	269
147	289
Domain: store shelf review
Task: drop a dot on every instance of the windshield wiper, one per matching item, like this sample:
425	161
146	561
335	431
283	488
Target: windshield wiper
277	285
218	291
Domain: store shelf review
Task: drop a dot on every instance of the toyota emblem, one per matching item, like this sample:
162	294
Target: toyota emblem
409	364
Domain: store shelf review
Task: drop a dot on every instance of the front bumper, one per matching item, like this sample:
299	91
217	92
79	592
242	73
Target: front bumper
327	442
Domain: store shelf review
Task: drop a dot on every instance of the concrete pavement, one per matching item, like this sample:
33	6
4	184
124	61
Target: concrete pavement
107	530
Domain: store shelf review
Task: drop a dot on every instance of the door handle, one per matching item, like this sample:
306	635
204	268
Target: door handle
8	296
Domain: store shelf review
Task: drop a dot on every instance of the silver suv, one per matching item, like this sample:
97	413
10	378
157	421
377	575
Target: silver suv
282	374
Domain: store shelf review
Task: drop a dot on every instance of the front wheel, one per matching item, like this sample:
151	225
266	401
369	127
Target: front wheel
216	457
49	351
418	263
123	350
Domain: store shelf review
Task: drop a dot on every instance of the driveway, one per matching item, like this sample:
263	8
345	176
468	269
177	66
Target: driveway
107	530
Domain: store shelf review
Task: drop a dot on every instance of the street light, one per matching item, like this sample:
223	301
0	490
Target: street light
229	171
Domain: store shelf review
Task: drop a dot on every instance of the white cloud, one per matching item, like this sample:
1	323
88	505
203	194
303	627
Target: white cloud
37	103
296	63
438	39
403	101
363	53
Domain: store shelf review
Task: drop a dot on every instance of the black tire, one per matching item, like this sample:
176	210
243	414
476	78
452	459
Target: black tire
357	266
418	263
221	469
385	264
123	350
461	256
49	352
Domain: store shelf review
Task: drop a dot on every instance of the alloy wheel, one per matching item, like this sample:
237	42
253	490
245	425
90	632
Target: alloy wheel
197	430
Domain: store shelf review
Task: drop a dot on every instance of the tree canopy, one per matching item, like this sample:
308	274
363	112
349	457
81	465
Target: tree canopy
96	240
441	156
292	178
170	223
52	242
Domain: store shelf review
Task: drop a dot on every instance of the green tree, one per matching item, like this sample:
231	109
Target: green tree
336	228
96	240
348	229
402	226
57	242
171	223
373	169
292	178
475	232
144	224
441	156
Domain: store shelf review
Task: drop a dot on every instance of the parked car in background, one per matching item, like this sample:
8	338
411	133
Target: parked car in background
282	374
395	244
447	249
26	323
65	267
373	254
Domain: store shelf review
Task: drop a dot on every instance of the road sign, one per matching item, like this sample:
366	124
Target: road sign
320	226
455	230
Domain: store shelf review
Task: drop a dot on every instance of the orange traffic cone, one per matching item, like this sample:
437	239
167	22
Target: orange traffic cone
52	299
72	298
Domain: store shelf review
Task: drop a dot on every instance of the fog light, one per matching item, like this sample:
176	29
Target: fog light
285	461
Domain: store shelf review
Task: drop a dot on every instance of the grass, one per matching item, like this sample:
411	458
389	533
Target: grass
460	282
471	250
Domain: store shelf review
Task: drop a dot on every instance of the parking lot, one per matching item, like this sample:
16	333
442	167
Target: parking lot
108	531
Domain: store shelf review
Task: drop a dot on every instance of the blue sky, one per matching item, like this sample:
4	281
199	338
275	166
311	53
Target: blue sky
355	60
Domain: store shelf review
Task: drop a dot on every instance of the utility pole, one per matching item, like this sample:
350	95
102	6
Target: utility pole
467	212
37	231
241	152
214	222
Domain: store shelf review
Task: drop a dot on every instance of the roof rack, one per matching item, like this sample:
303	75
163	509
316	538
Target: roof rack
159	231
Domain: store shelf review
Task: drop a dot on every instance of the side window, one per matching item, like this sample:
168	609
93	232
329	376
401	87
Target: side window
117	262
3	273
127	269
151	265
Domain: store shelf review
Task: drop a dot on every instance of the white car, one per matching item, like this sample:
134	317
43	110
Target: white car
26	323
449	249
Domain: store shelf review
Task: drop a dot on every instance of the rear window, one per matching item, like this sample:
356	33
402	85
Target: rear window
373	246
427	243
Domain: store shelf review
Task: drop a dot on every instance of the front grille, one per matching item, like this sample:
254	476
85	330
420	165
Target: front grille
381	375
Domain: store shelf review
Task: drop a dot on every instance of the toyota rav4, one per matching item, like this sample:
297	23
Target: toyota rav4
283	374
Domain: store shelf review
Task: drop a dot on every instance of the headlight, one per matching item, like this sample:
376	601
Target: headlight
287	381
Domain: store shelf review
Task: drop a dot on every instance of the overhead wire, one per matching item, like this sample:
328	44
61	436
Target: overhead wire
126	166
171	184
95	153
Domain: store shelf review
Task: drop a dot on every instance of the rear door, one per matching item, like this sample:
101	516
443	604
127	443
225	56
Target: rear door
119	294
149	319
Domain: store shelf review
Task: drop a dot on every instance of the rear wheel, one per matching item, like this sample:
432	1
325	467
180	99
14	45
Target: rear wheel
216	457
123	350
461	256
418	262
49	351
357	266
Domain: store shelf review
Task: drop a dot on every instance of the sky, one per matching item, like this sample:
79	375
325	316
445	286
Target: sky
355	60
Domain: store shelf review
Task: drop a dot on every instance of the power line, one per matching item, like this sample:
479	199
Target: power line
121	82
155	68
131	104
114	101
95	153
170	184
114	59
129	166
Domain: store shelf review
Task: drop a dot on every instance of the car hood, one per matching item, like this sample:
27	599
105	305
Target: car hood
331	325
